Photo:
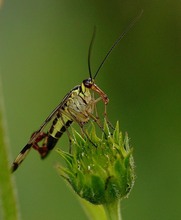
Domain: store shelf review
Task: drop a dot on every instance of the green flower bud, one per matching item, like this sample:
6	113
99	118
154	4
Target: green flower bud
100	169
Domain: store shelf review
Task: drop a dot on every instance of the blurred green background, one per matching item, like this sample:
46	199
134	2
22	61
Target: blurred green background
43	54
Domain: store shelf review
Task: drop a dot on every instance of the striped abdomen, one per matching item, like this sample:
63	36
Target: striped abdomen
59	126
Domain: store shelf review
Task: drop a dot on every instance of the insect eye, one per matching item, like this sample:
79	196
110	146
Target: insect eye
88	83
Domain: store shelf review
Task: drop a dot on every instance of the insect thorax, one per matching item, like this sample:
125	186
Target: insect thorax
80	104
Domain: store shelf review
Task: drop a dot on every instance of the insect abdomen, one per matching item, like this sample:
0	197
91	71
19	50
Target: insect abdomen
59	126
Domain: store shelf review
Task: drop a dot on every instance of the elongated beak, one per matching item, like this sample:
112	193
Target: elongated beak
101	93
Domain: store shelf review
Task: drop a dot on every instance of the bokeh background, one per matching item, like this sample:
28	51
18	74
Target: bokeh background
43	54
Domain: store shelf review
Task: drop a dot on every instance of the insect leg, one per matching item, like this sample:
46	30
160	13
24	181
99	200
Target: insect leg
87	136
68	133
96	117
106	117
81	124
105	114
94	107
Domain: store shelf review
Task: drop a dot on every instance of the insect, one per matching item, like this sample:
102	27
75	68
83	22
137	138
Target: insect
78	106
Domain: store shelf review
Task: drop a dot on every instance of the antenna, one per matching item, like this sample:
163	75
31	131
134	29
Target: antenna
90	50
118	40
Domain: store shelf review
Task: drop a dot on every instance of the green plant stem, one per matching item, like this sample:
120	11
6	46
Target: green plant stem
95	212
8	201
113	211
109	211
